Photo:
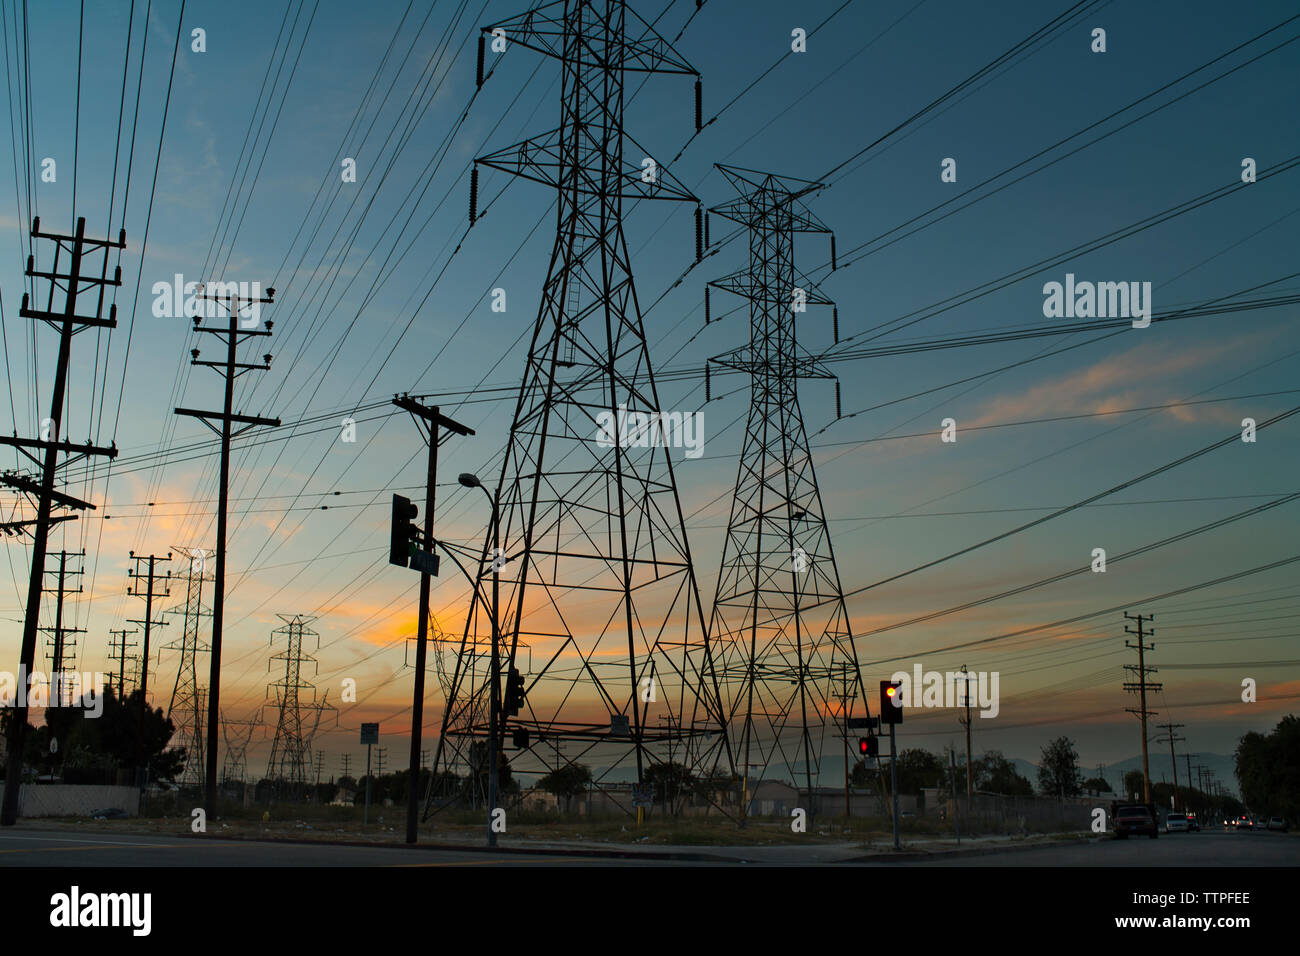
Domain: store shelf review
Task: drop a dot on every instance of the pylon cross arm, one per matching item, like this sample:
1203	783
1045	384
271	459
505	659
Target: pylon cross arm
542	29
540	159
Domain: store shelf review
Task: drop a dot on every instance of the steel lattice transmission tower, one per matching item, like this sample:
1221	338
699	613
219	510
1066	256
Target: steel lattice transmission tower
290	757
238	734
185	710
597	572
780	628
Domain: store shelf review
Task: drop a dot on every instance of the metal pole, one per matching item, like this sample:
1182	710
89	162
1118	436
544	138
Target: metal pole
421	644
366	816
970	770
495	695
956	807
893	779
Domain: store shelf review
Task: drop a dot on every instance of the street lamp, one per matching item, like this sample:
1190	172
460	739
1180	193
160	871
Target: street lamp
494	708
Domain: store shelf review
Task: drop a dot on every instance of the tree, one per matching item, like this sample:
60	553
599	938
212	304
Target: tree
1268	769
127	733
1058	771
917	769
567	782
670	782
1132	784
1096	785
136	735
994	773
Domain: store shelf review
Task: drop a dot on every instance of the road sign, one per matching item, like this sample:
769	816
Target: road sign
642	797
425	561
370	733
863	723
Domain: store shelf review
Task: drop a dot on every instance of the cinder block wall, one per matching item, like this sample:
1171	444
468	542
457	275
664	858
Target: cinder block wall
74	800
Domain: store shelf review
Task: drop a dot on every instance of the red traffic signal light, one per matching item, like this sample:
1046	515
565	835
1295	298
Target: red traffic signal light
891	702
868	746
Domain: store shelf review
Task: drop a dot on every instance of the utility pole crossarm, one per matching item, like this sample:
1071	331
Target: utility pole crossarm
23	483
76	281
232	334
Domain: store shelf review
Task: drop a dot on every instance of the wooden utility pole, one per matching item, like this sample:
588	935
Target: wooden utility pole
233	333
117	645
62	647
1169	736
1141	686
148	594
74	282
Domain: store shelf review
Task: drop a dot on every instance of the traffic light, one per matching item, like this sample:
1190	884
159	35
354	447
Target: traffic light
514	692
404	531
868	746
891	702
520	738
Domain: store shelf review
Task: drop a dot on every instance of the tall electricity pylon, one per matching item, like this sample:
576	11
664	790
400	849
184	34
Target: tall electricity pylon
290	759
595	570
780	628
185	709
238	734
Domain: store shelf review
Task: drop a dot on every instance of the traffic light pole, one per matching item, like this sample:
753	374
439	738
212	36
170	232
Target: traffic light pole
434	421
893	779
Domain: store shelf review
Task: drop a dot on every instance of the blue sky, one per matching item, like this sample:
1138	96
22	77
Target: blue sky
356	322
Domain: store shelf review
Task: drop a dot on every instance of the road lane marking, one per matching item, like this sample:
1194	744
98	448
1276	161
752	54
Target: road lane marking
14	836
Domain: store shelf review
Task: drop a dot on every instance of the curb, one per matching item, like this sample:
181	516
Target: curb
462	848
891	855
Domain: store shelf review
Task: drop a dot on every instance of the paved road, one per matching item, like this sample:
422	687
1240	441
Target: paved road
65	848
57	848
1208	848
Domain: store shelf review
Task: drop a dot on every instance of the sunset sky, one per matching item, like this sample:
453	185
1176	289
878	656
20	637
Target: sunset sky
377	293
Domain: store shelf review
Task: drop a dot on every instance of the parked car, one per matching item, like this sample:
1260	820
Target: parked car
1176	823
1130	818
109	813
1278	823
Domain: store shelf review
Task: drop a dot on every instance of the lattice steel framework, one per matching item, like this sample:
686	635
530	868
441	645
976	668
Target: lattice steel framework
598	575
186	707
290	759
780	628
238	734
